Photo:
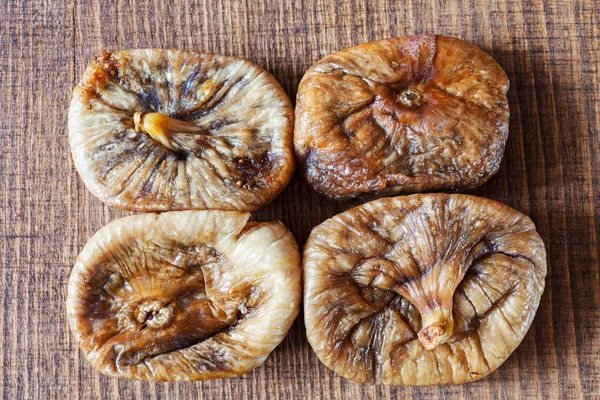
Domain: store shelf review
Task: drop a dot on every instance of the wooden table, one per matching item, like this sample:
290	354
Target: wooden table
551	171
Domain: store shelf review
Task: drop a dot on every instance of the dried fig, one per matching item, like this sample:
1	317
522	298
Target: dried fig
421	290
403	115
184	295
160	130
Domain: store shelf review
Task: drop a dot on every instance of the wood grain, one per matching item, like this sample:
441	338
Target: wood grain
551	171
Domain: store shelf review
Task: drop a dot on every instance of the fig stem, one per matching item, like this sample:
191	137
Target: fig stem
162	128
437	328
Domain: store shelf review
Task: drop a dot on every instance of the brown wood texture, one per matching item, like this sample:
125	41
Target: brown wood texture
550	51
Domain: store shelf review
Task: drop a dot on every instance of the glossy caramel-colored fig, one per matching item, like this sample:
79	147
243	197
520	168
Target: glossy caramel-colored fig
185	295
163	130
403	115
427	289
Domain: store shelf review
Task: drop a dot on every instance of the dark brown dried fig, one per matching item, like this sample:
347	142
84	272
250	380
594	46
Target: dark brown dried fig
403	115
160	130
185	295
421	290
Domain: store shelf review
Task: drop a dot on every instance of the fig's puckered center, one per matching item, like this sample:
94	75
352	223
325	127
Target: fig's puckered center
154	314
147	314
432	298
410	97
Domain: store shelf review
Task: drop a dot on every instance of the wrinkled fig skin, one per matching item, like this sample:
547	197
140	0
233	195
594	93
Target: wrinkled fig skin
218	131
184	296
403	115
421	290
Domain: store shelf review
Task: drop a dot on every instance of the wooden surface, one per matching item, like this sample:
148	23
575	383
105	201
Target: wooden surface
550	51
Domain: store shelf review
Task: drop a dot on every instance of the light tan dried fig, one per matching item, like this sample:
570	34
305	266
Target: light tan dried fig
403	115
161	130
182	296
426	289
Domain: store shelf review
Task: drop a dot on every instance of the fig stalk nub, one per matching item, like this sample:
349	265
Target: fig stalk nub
438	326
162	128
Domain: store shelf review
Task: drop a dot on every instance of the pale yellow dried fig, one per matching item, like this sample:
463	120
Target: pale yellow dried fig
181	296
161	130
421	290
